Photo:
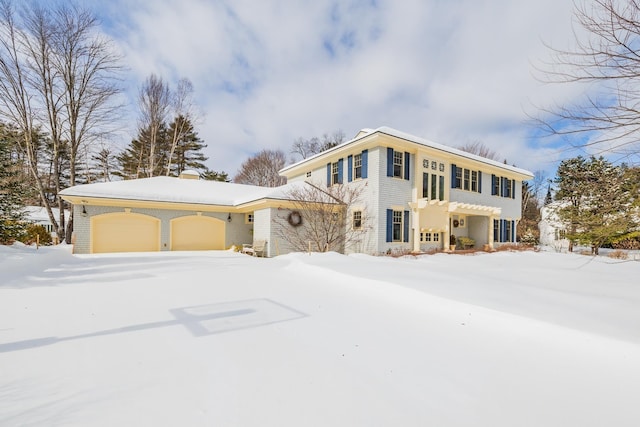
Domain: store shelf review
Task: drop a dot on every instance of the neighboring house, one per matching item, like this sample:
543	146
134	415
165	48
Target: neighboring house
417	194
38	215
552	231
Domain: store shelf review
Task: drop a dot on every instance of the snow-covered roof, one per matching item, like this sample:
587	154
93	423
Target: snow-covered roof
175	190
39	213
417	140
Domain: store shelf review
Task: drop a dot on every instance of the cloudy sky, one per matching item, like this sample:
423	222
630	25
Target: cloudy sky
268	72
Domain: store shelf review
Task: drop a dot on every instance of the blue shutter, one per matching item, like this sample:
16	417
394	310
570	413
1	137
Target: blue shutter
479	182
349	168
503	187
365	163
453	176
513	230
328	174
493	184
407	165
389	225
340	164
389	161
406	226
503	230
513	188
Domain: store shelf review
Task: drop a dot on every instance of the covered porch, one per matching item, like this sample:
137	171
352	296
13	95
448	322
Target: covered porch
445	218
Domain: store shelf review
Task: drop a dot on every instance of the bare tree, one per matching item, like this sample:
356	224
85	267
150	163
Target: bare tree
183	111
155	101
304	148
605	61
262	169
480	149
58	75
319	220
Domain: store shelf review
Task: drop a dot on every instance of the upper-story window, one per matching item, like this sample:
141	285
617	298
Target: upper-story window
357	166
397	164
466	179
309	174
432	183
503	187
334	173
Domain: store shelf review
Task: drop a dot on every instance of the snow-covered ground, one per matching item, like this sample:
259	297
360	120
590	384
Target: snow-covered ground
223	339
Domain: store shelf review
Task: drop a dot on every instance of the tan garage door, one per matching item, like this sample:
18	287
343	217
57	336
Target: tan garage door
124	232
197	233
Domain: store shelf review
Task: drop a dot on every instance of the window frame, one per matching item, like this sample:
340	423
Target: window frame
335	173
395	223
356	220
357	166
398	164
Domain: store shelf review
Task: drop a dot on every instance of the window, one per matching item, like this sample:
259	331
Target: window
309	174
434	165
458	182
496	230
427	237
397	226
425	163
560	234
507	231
474	180
434	186
441	167
467	185
465	179
495	185
357	166
397	164
357	220
425	185
441	196
507	188
334	173
248	218
436	237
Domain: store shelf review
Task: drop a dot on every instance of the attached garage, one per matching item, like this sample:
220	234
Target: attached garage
197	233
124	232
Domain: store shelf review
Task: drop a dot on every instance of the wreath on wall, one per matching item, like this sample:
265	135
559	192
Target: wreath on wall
456	223
294	219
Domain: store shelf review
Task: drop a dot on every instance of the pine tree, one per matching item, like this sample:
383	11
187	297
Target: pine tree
548	198
188	150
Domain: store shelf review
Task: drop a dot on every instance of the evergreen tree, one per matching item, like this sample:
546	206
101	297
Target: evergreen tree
188	150
210	175
596	201
548	198
13	190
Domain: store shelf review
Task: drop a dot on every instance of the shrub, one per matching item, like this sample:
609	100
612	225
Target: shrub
32	233
618	255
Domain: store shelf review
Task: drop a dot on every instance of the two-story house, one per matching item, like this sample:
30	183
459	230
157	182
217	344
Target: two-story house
419	193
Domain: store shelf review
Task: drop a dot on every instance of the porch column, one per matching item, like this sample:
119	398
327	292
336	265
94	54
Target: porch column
490	232
416	229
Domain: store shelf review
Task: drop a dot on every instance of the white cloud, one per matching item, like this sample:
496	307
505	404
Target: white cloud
267	72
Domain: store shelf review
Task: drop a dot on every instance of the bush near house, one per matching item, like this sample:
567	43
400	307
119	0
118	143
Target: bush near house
31	235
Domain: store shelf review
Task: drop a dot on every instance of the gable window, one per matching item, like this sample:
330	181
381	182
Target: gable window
357	220
357	166
397	164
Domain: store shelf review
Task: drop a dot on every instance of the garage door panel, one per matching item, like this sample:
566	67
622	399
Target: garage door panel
197	233
125	232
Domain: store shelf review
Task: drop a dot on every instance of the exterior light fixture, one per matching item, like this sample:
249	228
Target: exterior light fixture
229	217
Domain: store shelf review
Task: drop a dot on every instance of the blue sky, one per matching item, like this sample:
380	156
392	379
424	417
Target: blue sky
268	72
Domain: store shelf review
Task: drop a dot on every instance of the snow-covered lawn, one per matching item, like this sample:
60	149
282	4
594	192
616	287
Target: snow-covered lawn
223	339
